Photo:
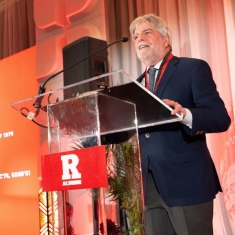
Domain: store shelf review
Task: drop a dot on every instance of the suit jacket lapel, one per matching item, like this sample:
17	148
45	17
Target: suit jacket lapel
171	67
140	78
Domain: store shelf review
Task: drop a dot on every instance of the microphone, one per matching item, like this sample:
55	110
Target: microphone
42	89
125	39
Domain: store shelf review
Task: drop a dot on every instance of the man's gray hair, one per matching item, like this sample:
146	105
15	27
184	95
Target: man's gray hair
158	23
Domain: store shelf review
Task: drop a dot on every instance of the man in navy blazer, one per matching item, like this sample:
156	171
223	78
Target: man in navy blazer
179	176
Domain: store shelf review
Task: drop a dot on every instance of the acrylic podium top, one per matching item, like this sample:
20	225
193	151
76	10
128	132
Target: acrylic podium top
157	112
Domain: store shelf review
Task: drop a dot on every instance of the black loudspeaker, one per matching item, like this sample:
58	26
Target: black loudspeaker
91	67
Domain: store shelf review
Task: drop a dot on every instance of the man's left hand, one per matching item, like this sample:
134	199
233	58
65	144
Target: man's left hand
177	108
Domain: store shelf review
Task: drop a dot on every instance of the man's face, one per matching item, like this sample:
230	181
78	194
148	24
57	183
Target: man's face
150	46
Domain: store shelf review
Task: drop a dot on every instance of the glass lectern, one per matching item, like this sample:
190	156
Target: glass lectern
78	118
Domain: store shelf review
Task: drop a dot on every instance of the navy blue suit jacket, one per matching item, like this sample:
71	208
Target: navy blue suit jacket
180	161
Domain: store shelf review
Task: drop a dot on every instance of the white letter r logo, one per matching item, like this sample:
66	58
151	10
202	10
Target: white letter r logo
69	164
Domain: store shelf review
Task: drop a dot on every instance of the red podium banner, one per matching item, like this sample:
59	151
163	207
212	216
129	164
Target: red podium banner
77	169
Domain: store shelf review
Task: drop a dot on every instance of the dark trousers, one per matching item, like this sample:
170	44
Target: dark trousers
161	219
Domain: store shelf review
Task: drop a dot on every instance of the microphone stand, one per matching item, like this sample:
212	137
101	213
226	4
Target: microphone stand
42	89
